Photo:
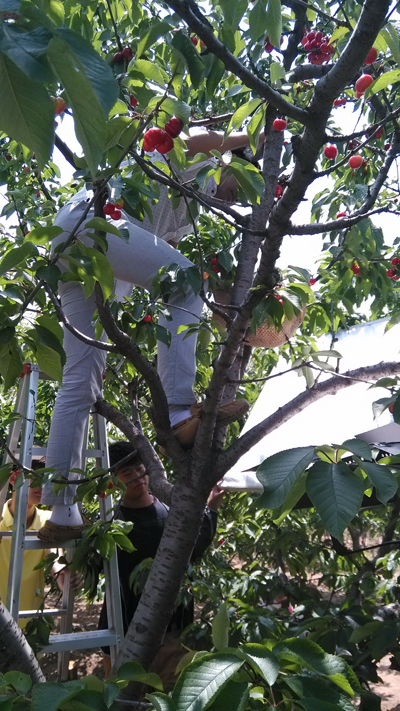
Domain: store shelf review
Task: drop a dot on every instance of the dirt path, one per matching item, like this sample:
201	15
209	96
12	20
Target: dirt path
389	691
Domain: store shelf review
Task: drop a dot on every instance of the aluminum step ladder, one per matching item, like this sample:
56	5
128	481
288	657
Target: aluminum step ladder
20	444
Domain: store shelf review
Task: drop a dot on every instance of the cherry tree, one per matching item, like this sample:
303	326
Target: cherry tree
126	69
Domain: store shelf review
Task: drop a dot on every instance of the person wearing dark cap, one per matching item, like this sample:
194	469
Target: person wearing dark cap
148	516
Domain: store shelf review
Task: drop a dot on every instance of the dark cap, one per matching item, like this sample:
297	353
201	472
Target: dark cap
121	449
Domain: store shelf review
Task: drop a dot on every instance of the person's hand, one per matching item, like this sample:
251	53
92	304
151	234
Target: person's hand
215	498
75	580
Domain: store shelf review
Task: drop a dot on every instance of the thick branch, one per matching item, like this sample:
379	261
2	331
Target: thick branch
298	404
191	14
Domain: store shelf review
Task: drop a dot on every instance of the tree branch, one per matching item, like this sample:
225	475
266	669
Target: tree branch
329	387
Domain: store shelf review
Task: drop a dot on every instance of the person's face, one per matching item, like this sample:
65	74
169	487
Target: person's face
35	496
135	479
227	189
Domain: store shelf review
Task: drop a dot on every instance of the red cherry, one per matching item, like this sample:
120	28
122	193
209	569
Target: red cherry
379	133
391	273
127	53
108	208
194	40
355	162
330	152
153	137
147	147
214	261
279	191
8	156
391	407
311	35
59	104
110	485
26	169
133	101
387	146
38	194
304	40
279	124
394	261
103	495
147	318
363	83
118	58
174	126
341	214
313	281
268	46
318	36
371	56
166	144
215	269
355	268
395	278
116	215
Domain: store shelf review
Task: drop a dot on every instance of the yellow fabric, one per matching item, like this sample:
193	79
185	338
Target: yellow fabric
32	580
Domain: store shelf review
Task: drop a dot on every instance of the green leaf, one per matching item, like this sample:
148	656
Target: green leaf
172	106
336	493
89	116
99	223
26	110
97	70
193	61
311	656
233	697
279	473
102	270
28	51
382	82
150	71
161	702
201	681
220	627
50	695
358	447
306	686
133	671
21	682
261	660
242	113
11	363
6	335
384	481
51	274
257	21
254	128
150	36
47	338
392	39
17	255
49	361
43	235
274	22
364	631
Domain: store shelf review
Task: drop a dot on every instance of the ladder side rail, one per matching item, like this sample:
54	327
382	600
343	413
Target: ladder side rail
14	432
22	494
111	571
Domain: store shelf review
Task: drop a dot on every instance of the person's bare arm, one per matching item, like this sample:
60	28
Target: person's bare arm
207	141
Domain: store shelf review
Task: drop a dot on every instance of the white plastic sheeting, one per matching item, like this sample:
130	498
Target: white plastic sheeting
334	418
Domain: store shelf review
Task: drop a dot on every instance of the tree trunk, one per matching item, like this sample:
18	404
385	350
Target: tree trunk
15	652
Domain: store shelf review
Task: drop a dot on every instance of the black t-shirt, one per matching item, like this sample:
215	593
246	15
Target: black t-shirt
148	527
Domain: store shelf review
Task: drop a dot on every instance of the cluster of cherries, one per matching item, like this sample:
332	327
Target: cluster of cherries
120	56
340	102
214	265
355	269
392	273
162	140
317	44
112	209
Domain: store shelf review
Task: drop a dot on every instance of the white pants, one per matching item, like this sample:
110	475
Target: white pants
136	262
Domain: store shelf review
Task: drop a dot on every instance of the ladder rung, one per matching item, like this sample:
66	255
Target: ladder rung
80	640
32	542
87	453
49	611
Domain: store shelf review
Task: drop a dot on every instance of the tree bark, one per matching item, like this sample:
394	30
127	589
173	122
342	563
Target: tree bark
15	652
